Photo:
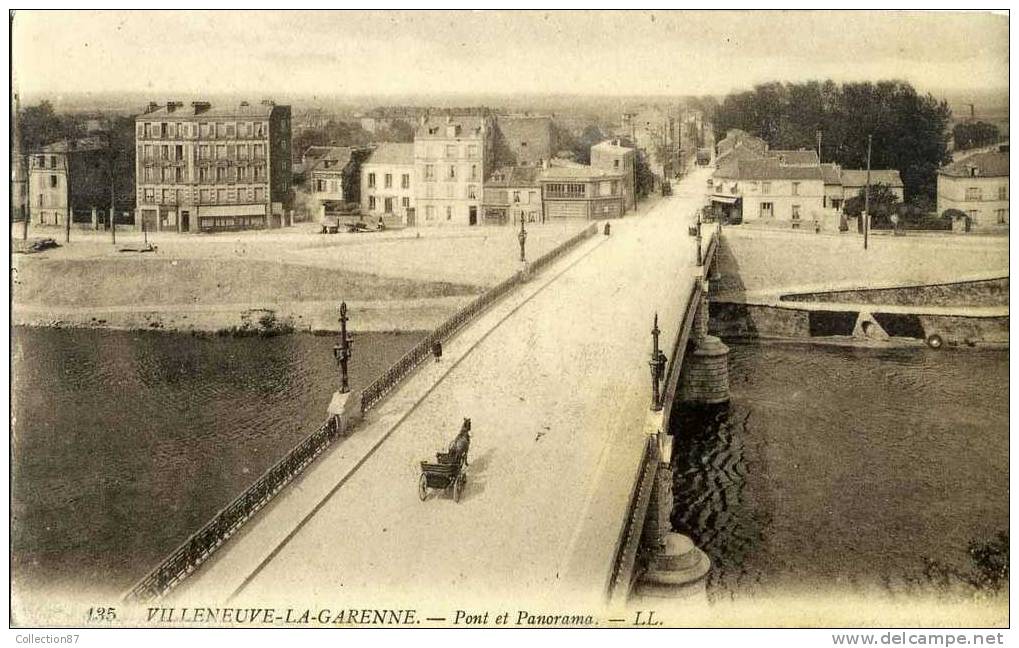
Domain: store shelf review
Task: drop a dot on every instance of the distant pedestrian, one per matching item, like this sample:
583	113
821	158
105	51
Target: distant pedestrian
437	350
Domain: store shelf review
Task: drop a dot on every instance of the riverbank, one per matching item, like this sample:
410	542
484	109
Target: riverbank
392	281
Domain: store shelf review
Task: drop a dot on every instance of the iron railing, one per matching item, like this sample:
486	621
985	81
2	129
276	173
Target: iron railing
628	544
387	382
201	544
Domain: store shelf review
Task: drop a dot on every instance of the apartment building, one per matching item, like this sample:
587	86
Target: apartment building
387	184
452	157
208	168
334	174
612	156
68	175
977	186
766	190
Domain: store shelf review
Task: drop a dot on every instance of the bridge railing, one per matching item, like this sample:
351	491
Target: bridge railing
200	545
388	381
628	544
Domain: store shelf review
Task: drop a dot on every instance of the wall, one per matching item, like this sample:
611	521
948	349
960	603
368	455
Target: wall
396	192
990	292
442	193
810	198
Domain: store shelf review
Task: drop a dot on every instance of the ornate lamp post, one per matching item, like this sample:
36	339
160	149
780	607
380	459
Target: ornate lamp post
657	364
700	254
342	351
522	237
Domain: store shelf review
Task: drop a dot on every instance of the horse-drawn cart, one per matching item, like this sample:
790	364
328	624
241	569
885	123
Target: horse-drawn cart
450	468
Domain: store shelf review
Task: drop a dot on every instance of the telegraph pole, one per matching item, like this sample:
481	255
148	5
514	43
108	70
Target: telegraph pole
866	198
819	145
113	209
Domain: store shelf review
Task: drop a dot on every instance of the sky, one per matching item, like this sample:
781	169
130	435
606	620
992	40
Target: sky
534	52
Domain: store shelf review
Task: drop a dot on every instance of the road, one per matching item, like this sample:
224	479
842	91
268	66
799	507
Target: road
556	381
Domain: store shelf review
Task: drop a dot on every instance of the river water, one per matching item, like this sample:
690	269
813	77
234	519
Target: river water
843	468
835	467
127	442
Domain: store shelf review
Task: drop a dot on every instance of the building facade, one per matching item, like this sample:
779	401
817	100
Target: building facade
334	177
387	184
513	194
524	140
69	175
613	157
452	157
581	192
765	190
205	168
977	186
854	181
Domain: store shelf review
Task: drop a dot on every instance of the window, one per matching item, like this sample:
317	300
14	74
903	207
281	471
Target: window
449	213
259	151
53	181
472	192
259	172
371	180
221	195
450	190
40	161
166	196
572	190
474	172
148	130
516	196
242	151
178	175
204	196
172	130
430	172
388	181
150	195
472	151
973	193
405	201
405	181
203	174
452	172
150	174
230	129
796	189
1003	192
429	191
242	173
221	151
796	209
141	130
320	185
1002	216
164	152
259	194
532	197
429	212
203	152
451	150
616	163
765	188
371	203
389	205
220	174
53	161
178	152
974	216
163	131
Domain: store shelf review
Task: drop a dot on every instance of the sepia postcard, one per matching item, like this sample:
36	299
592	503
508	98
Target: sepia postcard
510	319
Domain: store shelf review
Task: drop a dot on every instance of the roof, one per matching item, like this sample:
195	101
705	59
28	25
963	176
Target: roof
470	126
335	159
79	145
991	164
735	137
766	169
740	152
831	173
194	109
392	153
610	146
579	172
800	157
514	176
526	129
858	177
314	152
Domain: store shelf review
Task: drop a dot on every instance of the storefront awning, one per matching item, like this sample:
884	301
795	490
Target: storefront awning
257	209
728	200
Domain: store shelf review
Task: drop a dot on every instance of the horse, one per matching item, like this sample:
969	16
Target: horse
462	443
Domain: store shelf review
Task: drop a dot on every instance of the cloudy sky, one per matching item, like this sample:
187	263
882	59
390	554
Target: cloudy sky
613	53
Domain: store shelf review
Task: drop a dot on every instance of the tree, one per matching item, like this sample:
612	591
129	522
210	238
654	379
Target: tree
969	135
883	203
40	126
908	129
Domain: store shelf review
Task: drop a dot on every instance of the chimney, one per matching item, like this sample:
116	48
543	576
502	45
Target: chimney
200	106
153	106
244	104
172	105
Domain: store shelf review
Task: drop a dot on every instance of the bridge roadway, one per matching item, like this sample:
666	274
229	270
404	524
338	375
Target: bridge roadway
556	381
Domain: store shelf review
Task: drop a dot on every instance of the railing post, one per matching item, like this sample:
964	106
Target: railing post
342	351
657	364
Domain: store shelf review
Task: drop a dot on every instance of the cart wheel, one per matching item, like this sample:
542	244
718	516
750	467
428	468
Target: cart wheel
458	488
422	488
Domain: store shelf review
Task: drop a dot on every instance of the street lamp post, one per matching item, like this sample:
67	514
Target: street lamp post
343	350
700	257
522	237
657	364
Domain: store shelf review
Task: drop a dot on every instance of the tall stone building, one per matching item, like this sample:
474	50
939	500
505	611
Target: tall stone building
206	168
452	157
72	174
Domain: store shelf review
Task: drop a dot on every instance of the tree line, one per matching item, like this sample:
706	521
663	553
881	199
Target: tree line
910	130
